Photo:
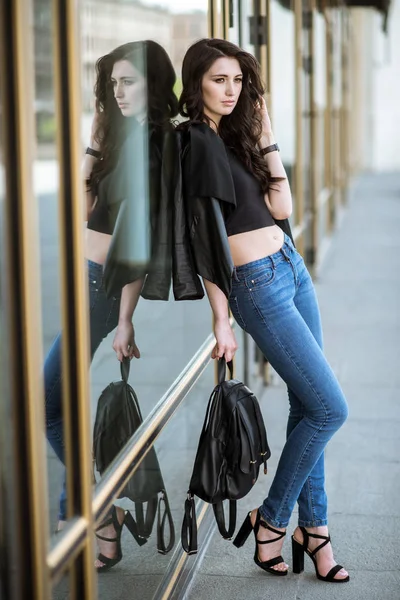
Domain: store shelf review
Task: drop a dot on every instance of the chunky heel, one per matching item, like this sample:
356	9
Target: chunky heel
297	556
108	563
299	550
243	532
132	527
130	524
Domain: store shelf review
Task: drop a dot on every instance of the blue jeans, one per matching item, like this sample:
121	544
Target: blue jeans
274	300
103	319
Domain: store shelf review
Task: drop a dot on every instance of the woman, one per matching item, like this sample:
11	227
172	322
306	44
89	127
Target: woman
238	198
128	95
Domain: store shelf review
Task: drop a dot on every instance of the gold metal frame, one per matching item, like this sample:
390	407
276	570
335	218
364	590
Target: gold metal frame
75	341
314	150
27	483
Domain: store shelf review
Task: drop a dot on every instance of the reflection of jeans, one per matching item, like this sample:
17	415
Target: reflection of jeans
274	300
103	319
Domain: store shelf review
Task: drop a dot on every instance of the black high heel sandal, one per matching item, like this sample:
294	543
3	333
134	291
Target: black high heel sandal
129	522
108	563
299	549
244	533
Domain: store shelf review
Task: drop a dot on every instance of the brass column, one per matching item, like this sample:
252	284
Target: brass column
75	349
26	487
314	115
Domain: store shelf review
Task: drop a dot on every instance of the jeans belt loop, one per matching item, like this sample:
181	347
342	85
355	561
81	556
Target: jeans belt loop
285	254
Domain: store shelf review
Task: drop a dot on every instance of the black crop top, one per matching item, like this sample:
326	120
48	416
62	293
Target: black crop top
104	213
251	211
133	175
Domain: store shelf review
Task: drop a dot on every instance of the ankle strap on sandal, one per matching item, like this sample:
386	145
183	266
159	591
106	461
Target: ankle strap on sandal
260	521
266	526
306	535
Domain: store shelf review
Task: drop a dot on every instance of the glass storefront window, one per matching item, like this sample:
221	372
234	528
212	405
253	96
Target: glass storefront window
283	96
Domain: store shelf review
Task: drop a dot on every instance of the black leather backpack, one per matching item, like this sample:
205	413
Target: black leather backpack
232	447
118	416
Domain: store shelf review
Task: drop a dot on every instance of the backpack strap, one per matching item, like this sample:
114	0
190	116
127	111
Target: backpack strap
265	454
189	526
218	508
222	364
145	522
125	367
161	521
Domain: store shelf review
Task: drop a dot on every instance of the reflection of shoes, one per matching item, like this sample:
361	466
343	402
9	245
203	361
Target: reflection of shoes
299	549
60	526
108	563
244	532
129	522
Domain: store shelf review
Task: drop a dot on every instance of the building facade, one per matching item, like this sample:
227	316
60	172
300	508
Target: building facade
332	78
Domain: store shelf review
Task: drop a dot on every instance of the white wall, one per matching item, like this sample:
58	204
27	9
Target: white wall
363	31
283	95
385	71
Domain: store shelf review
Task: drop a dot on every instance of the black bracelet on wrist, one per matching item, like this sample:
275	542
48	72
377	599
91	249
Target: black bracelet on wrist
268	149
92	152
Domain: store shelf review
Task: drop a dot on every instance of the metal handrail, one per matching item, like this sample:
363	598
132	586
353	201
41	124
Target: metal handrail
138	446
129	459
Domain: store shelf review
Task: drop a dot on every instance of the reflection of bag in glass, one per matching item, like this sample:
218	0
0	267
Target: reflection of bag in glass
118	416
232	447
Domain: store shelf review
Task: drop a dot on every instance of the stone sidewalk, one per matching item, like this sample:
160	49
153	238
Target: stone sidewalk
359	294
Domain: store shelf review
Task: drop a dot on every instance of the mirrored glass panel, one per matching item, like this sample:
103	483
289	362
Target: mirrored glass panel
321	120
45	176
246	24
143	568
283	94
131	79
131	82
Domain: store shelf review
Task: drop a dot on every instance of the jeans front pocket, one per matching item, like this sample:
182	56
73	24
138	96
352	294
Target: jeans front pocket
260	278
234	306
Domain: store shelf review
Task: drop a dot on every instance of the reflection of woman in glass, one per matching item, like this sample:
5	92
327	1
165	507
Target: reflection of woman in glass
134	86
238	199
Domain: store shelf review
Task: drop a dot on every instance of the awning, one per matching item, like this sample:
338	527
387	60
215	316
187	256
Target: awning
381	5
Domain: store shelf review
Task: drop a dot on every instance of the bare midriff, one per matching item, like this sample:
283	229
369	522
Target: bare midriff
245	247
96	246
253	245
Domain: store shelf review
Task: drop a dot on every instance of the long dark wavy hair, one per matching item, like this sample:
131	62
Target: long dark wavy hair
162	104
242	129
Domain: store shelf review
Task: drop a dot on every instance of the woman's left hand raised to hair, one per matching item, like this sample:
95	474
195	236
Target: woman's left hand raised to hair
94	141
266	121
